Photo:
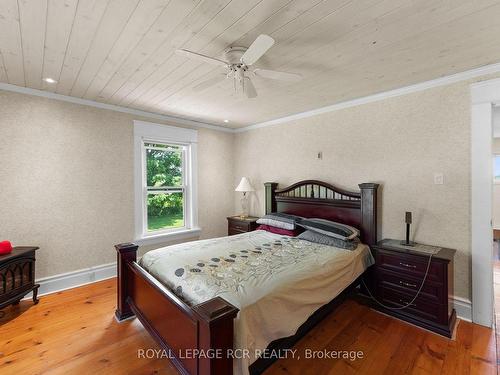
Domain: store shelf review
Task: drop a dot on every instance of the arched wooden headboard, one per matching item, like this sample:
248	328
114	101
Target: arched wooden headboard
311	198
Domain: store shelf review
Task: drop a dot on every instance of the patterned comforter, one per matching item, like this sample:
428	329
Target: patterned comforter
267	276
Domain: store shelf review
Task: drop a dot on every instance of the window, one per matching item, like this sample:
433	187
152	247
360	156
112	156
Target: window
496	176
165	186
165	182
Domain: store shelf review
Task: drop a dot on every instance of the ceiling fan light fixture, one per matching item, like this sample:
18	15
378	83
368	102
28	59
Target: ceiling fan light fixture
238	63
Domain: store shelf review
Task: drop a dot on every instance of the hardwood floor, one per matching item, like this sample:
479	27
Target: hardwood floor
74	332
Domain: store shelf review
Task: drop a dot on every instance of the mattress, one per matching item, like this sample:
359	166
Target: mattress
276	281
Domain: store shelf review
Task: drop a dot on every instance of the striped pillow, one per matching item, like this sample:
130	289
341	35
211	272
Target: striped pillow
279	220
316	237
330	228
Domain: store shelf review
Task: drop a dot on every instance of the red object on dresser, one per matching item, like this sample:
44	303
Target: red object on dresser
5	247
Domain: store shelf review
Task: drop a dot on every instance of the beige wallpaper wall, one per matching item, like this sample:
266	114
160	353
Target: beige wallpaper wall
66	171
66	181
400	143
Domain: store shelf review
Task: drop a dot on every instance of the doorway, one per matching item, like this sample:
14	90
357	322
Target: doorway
484	97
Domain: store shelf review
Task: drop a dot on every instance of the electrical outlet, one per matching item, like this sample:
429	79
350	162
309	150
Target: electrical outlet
438	178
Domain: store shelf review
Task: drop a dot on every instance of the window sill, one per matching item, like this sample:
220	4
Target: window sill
167	237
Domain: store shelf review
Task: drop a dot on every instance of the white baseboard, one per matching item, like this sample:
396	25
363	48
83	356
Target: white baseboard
74	279
463	307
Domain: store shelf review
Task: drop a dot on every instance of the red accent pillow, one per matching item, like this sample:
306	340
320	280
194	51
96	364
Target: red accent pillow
284	232
5	247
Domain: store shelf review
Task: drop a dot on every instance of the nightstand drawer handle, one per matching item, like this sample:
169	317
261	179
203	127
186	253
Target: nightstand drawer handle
407	265
238	226
408	284
406	303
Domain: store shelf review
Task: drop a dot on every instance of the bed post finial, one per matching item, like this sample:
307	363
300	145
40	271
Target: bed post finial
270	197
216	332
126	254
369	212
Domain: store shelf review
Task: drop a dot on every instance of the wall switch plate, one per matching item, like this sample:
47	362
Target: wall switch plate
320	155
438	178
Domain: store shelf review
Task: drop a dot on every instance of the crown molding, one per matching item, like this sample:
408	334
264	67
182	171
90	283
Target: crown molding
112	107
442	81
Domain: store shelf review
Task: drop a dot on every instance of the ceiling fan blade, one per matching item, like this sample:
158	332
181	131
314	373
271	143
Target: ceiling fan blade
210	82
281	76
250	91
258	48
200	57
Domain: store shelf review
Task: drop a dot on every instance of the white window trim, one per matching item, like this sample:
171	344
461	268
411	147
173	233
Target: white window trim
147	131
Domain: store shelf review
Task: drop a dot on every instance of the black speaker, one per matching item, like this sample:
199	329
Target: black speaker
407	242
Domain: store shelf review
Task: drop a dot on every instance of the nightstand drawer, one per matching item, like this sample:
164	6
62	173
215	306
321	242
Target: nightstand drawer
239	226
420	308
431	291
411	265
231	231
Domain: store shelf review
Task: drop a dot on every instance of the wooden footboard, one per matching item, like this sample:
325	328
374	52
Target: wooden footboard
197	339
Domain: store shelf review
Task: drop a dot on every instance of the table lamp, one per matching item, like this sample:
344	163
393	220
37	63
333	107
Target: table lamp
245	187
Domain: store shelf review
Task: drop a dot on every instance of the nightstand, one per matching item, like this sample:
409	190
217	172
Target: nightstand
237	224
396	277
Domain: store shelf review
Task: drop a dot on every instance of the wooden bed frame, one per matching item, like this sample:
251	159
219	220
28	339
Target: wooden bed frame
208	327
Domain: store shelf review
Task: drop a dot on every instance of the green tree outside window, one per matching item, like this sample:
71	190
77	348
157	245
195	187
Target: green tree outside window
165	186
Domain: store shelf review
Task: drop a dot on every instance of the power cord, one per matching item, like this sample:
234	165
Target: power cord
414	298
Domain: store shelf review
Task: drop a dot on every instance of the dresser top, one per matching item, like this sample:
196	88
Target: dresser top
247	219
17	251
420	249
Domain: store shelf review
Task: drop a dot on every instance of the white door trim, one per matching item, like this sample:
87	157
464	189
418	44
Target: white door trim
483	96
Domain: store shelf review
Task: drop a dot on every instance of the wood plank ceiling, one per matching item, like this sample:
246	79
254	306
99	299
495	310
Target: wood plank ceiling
122	51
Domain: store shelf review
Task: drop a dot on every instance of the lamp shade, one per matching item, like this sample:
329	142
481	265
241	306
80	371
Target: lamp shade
244	185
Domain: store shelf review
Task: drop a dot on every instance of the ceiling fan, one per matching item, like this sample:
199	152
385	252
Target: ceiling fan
238	63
